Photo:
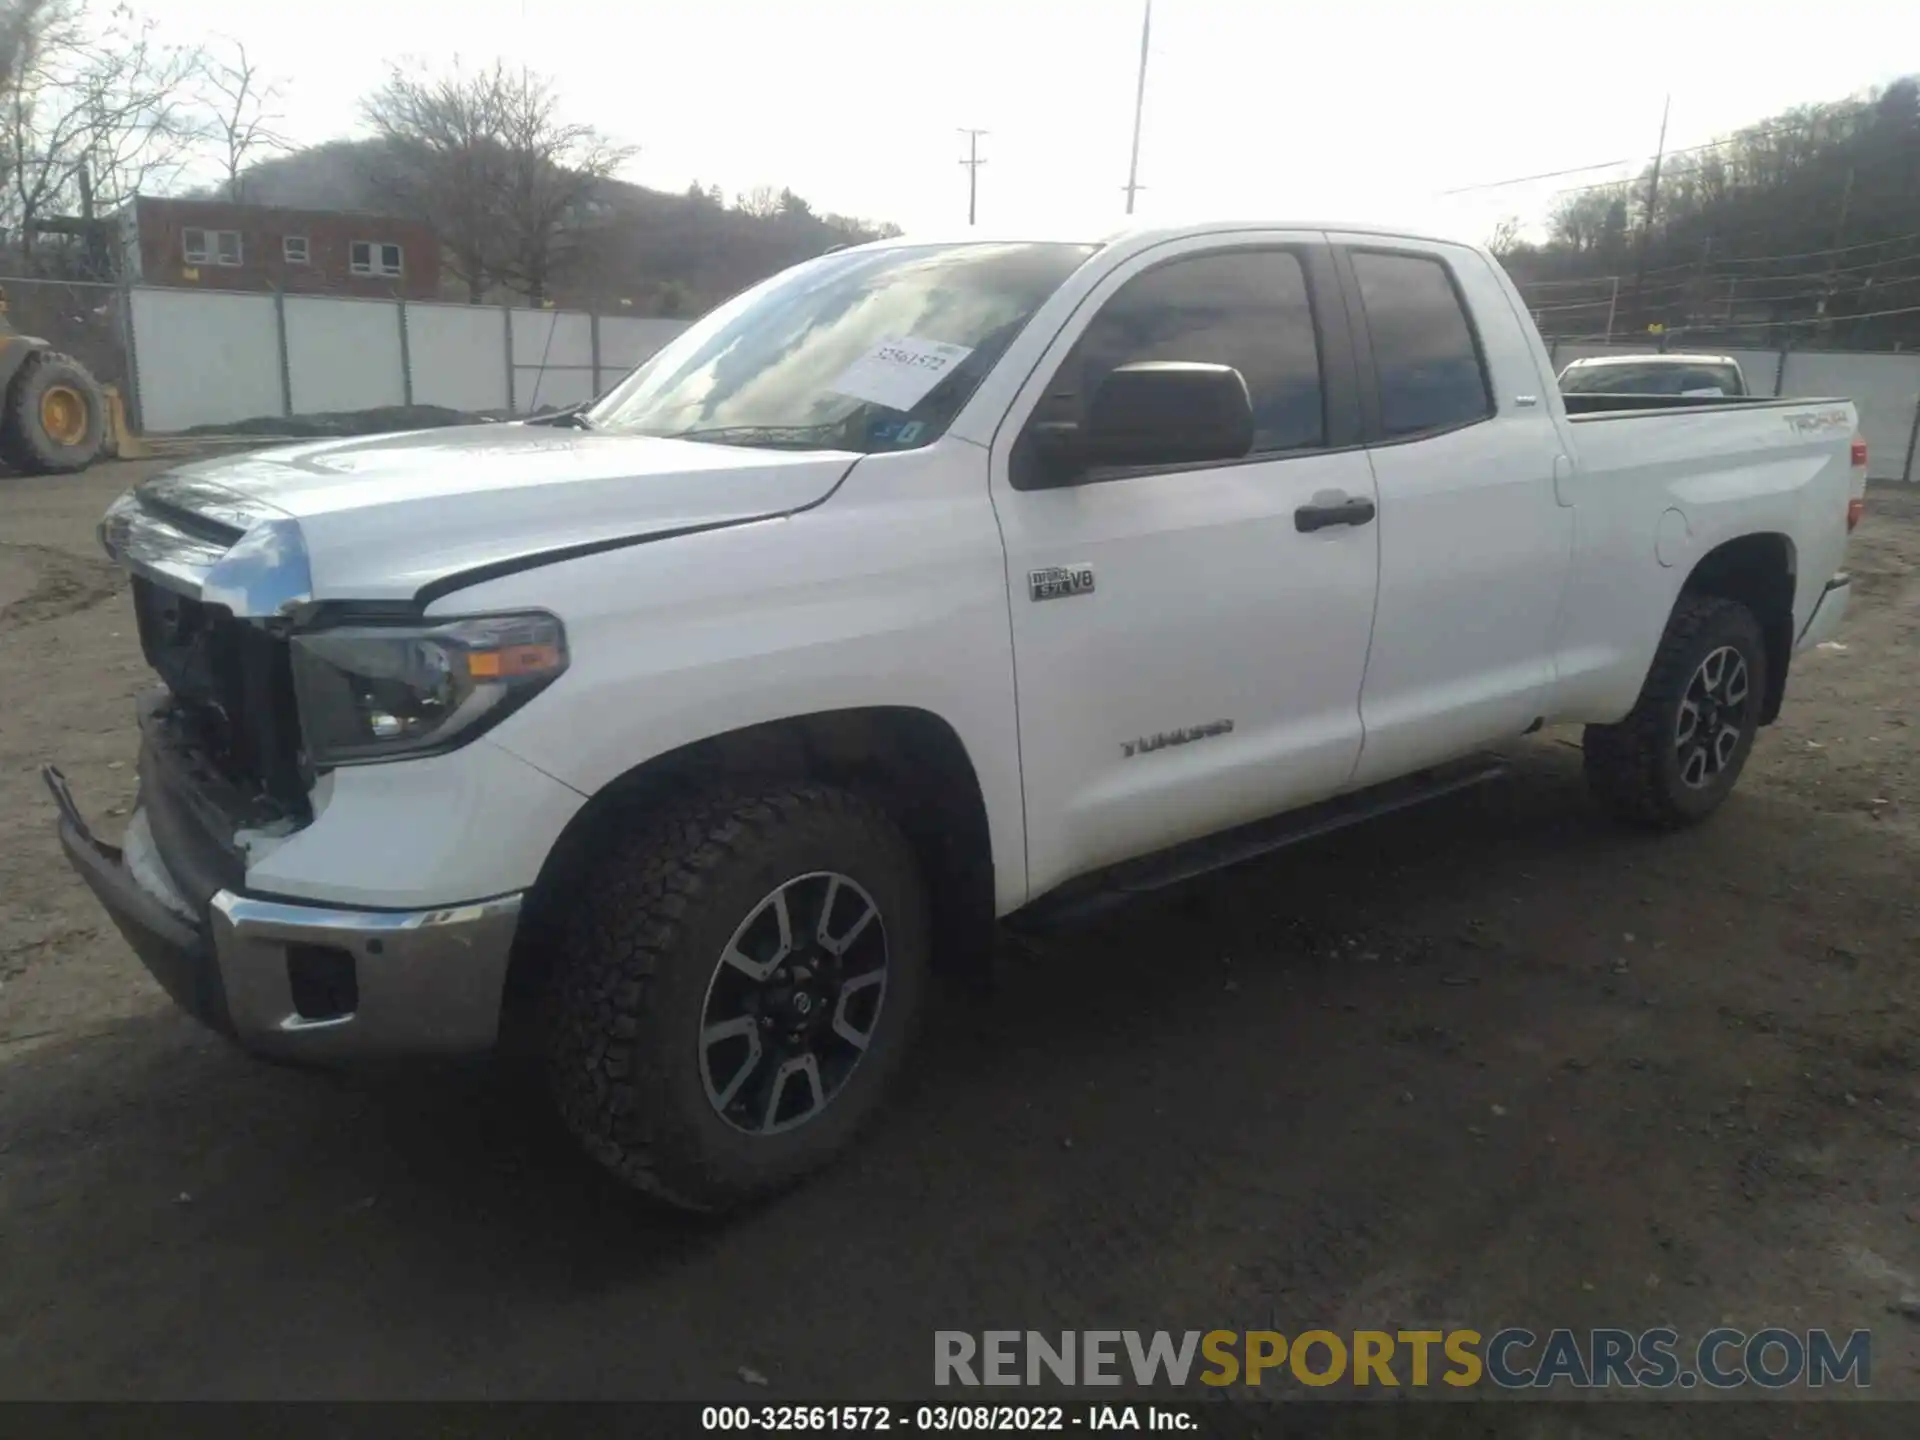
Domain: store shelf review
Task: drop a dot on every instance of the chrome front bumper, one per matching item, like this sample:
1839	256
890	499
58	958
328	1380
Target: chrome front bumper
304	982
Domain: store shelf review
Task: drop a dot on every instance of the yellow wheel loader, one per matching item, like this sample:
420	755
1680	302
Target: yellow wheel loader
53	413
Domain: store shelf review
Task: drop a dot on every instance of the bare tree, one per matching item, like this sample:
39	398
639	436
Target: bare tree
441	162
556	174
762	202
487	160
99	109
19	28
244	116
1505	238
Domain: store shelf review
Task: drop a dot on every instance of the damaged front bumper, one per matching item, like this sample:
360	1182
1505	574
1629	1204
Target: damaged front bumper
296	981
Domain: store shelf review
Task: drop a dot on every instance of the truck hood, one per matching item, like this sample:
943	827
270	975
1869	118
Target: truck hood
391	517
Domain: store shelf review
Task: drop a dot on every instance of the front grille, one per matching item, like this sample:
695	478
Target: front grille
236	681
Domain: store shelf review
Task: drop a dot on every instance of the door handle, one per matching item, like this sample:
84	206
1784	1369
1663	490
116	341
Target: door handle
1347	510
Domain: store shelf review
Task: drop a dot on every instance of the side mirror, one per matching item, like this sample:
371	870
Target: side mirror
1153	412
1168	412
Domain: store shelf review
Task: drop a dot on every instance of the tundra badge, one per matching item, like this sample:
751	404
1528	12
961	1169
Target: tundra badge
1057	582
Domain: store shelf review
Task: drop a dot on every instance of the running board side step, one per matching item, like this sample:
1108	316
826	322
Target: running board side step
1088	895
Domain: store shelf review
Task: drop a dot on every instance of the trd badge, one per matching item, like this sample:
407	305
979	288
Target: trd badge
1057	582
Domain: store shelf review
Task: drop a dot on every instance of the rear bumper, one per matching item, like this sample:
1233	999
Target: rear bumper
1828	612
303	982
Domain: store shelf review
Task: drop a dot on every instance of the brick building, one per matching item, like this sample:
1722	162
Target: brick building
218	245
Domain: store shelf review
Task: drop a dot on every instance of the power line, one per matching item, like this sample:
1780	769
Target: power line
1721	277
1742	137
1692	267
1725	287
1817	254
1809	320
1543	175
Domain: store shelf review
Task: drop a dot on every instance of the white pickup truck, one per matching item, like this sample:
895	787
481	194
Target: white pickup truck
920	585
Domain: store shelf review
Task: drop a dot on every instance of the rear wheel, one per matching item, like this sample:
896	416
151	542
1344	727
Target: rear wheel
736	990
1674	759
55	420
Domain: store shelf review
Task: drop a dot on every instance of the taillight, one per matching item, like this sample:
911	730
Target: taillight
1855	509
1859	454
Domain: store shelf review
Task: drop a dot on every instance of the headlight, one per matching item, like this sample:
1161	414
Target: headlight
381	692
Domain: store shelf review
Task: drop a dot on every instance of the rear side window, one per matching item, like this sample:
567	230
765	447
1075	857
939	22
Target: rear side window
1423	347
1244	308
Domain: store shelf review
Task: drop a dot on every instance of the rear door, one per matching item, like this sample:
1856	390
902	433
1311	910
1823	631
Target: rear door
1474	545
1189	656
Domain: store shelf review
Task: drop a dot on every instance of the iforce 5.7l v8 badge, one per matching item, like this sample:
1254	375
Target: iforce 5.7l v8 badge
1057	582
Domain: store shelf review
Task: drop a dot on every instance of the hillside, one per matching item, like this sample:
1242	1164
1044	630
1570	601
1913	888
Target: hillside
643	252
1803	229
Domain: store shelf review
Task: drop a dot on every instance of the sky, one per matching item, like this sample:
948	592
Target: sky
1360	110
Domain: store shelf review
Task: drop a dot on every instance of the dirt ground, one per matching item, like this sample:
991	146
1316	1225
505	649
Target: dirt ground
1494	1062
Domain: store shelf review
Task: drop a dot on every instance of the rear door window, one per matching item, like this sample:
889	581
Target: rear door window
1424	352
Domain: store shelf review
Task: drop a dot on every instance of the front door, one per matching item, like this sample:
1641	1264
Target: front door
1189	642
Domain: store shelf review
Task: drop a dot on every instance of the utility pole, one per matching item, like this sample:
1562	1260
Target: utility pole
1646	230
1828	286
973	162
1139	104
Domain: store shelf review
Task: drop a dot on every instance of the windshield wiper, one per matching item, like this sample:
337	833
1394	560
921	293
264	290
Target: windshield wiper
574	417
794	437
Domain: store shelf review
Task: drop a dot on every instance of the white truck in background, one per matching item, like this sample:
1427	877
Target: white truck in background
1687	376
920	585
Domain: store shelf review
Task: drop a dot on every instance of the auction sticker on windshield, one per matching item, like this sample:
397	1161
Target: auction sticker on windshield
899	373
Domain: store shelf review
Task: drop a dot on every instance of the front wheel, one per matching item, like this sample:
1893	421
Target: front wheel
1674	759
738	985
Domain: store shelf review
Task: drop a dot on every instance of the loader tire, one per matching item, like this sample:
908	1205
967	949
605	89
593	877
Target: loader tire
55	418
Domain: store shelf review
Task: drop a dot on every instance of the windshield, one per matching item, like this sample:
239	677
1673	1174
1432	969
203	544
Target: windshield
1656	377
864	350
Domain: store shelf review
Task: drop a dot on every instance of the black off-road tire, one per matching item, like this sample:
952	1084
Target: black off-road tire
26	445
1634	767
650	919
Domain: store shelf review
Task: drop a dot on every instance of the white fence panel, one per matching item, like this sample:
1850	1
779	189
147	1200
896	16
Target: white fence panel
1886	388
552	359
552	337
625	341
343	355
458	354
211	357
204	358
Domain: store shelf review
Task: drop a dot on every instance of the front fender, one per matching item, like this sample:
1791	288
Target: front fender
891	595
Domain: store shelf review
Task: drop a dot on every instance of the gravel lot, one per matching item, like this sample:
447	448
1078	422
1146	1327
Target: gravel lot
1494	1062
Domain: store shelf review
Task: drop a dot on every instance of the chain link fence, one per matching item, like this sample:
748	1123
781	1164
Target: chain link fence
78	318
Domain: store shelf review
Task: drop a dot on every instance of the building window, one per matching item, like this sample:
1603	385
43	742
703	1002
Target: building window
371	257
210	247
293	249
